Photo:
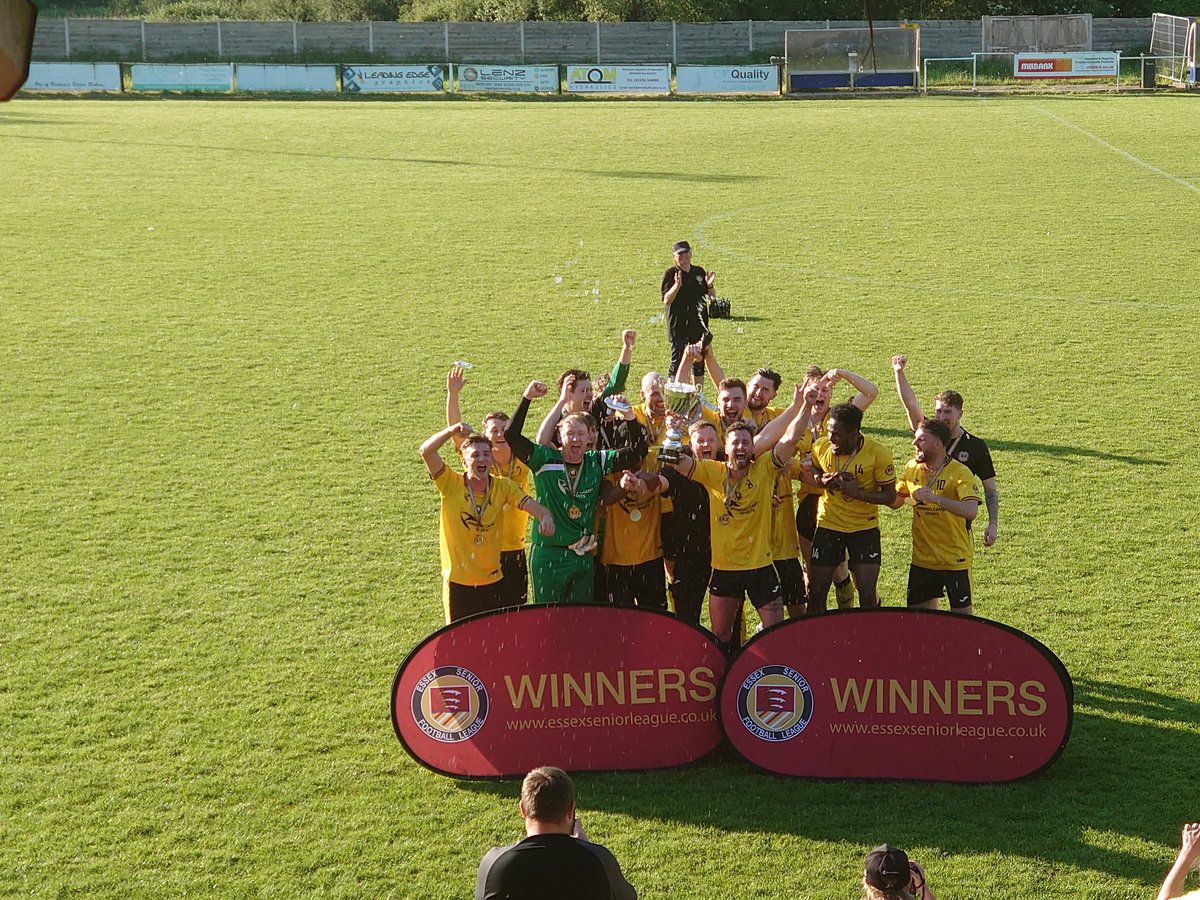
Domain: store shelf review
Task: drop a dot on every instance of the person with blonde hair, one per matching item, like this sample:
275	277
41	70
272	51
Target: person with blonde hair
890	875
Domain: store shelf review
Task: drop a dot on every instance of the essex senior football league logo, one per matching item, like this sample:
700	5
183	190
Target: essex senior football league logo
450	704
775	703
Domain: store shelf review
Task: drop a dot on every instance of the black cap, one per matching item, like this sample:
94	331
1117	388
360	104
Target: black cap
887	868
680	246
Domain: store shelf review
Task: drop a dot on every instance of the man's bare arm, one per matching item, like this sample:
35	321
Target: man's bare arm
455	379
867	389
430	449
912	406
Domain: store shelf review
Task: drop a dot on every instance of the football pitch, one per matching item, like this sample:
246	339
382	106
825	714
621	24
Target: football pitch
225	330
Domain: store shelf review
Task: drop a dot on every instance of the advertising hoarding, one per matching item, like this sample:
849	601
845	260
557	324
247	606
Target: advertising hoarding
590	687
596	79
897	694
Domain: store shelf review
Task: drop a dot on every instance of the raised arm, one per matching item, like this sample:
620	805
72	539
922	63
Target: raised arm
521	445
912	406
715	372
867	389
430	450
785	449
545	432
455	379
773	431
1189	851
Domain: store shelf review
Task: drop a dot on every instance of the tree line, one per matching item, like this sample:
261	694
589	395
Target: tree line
606	10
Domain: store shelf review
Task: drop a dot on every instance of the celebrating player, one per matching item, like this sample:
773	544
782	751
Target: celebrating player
740	515
858	476
965	447
514	584
945	498
567	481
471	522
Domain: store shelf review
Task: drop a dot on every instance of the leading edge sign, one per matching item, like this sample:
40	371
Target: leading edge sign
897	694
592	688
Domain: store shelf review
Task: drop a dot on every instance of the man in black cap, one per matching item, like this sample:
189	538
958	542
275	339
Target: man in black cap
889	875
684	289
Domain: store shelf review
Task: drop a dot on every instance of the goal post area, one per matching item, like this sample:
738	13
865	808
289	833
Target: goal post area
855	58
1173	48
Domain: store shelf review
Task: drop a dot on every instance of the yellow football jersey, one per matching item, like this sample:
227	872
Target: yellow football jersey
471	531
515	521
739	513
872	467
785	539
633	532
941	540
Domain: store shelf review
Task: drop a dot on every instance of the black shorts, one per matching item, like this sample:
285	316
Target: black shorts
514	577
930	584
644	584
467	600
806	516
791	581
761	585
830	547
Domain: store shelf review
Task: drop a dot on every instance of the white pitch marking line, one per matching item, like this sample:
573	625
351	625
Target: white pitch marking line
1182	182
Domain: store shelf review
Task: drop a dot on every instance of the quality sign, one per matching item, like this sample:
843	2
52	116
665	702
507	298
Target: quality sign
897	694
589	687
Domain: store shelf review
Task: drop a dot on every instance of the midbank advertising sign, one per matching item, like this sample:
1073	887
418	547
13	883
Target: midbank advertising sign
896	693
588	687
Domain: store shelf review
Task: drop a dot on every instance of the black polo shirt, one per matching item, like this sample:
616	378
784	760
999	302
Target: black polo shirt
687	314
973	453
551	867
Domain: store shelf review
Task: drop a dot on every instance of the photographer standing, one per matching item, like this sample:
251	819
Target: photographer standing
684	291
890	875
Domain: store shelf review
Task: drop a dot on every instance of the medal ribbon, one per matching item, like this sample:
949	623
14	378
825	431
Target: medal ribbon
478	507
572	483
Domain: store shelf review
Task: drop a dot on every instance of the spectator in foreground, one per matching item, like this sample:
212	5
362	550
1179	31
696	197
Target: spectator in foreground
555	861
1189	852
890	875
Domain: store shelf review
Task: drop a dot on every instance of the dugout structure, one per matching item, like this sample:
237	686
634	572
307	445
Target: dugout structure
1173	47
857	58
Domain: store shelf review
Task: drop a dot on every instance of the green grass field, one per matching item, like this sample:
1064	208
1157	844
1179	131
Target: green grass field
225	329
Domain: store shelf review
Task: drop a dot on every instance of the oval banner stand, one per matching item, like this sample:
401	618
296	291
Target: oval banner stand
583	687
897	694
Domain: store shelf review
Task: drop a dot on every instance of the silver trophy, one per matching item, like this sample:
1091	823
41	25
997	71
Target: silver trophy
681	400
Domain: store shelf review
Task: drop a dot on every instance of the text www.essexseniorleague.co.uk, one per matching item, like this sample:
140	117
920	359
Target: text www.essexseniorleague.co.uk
979	732
648	720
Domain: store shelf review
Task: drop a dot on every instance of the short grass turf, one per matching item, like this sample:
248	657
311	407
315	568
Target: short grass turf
225	329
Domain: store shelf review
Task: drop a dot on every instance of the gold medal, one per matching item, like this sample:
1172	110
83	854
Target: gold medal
635	515
725	518
479	540
574	512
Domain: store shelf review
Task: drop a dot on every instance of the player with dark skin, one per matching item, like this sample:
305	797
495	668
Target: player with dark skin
845	441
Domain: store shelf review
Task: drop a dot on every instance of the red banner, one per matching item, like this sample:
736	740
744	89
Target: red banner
586	688
896	693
